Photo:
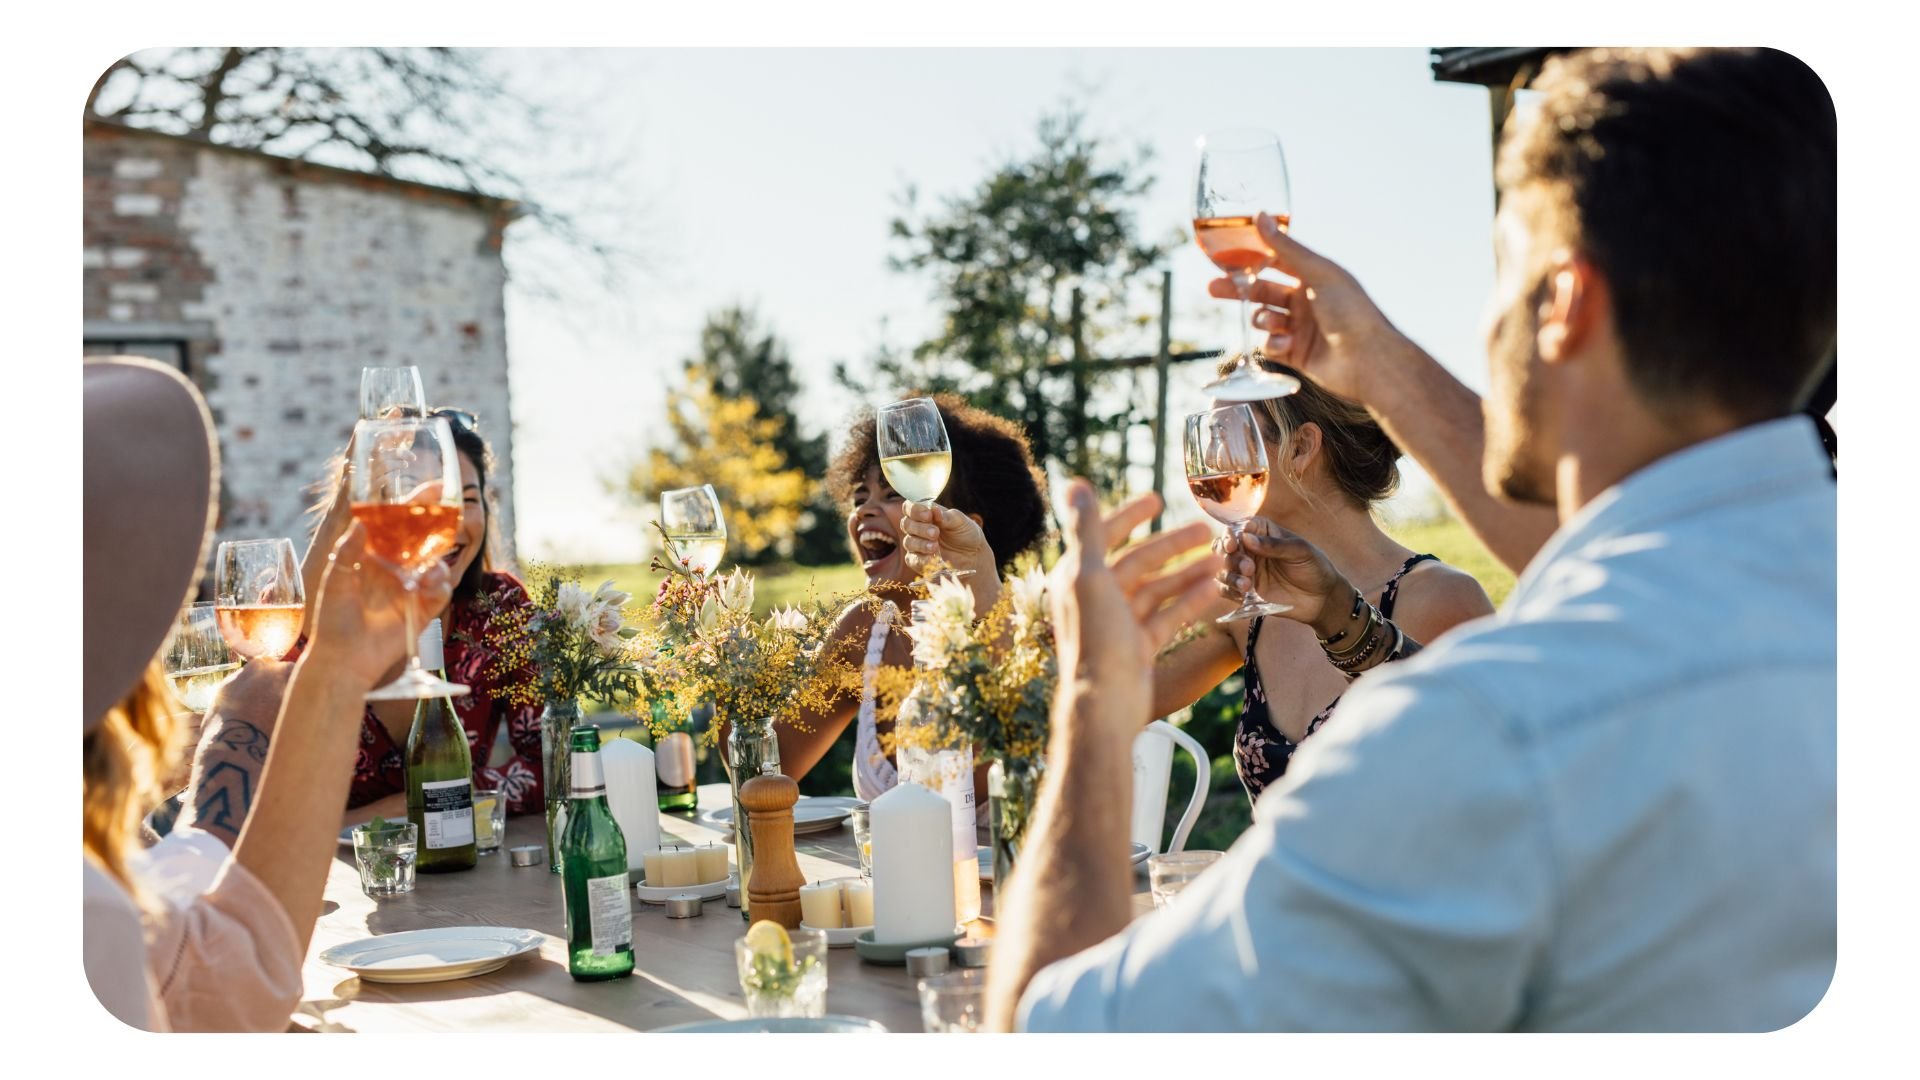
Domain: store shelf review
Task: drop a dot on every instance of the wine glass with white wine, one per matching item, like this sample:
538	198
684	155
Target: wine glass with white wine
1227	473
695	530
914	452
260	603
198	658
1242	174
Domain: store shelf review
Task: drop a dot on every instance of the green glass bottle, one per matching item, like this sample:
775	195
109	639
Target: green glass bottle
593	859
440	775
673	765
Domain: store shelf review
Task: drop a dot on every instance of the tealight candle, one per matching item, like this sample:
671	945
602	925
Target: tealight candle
858	895
820	905
712	862
679	866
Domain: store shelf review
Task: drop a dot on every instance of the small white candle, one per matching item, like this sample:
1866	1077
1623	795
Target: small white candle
712	862
680	866
912	866
656	861
820	905
632	796
857	893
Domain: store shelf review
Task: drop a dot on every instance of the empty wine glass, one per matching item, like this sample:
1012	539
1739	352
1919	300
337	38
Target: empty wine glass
405	491
259	600
694	527
1227	473
914	452
1242	174
198	658
388	393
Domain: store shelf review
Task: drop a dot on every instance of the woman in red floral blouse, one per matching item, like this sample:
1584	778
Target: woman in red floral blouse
380	775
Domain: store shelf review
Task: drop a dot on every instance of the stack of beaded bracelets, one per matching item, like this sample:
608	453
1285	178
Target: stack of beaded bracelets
1351	660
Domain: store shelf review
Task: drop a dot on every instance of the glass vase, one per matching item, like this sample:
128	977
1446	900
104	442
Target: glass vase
751	750
1011	789
556	732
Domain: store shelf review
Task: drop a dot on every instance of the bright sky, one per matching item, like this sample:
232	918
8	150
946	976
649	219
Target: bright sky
770	176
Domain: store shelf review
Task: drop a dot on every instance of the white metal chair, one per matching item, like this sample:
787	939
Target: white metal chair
1152	774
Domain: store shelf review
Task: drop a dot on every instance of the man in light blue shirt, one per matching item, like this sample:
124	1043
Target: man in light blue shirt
1611	805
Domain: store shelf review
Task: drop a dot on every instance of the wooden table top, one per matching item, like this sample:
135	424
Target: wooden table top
683	968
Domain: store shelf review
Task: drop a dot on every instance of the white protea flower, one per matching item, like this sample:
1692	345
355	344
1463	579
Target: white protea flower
572	603
1028	601
709	614
610	596
736	591
788	618
942	623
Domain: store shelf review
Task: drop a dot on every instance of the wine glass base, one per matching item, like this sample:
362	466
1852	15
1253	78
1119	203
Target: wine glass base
1254	611
1244	385
414	685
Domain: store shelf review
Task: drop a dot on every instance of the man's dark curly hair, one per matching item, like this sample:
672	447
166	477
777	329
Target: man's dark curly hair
993	474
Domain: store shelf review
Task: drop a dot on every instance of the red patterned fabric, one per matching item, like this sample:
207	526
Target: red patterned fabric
381	770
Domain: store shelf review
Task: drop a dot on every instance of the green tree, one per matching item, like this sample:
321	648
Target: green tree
1007	260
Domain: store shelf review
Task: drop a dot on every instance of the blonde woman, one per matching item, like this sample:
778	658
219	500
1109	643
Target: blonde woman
230	959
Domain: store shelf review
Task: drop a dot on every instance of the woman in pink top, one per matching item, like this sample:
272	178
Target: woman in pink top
230	959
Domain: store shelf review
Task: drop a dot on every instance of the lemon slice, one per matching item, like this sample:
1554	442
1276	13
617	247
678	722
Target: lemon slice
769	940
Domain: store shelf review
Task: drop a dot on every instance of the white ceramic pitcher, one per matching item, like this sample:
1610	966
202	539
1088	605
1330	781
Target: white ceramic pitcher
1152	773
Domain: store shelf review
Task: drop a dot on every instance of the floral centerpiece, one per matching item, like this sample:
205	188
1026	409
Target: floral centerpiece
566	645
984	682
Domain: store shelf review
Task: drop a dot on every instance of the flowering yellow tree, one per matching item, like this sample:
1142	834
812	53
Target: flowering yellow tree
724	441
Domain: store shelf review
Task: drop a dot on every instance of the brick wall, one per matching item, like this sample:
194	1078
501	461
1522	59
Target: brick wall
284	281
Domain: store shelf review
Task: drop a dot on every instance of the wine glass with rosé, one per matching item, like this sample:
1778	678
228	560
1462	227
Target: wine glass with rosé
1242	174
405	491
259	602
1227	473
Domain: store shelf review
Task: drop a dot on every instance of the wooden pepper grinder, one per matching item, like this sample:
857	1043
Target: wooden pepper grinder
773	892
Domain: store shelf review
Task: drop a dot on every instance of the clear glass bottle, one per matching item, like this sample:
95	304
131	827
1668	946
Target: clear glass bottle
752	749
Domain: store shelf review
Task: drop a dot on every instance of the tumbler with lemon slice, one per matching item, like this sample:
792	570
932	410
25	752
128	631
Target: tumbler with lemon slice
783	973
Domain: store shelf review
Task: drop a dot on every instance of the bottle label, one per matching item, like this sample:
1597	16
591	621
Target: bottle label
448	813
609	915
588	780
673	760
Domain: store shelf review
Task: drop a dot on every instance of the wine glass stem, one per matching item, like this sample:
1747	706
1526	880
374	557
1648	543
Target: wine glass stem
1246	321
413	633
1235	530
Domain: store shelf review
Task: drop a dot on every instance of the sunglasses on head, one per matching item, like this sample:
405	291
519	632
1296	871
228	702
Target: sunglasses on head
460	417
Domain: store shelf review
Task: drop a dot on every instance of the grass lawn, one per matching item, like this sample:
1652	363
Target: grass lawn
774	586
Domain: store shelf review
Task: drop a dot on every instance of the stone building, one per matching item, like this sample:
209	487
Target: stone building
271	282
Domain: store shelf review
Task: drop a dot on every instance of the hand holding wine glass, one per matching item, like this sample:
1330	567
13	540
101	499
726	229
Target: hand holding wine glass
1227	471
695	529
405	483
1282	565
363	613
1242	175
260	602
933	532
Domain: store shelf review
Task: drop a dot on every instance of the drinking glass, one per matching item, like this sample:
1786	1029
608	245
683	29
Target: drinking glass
385	853
1174	871
198	658
259	600
954	1002
914	452
773	989
489	819
389	393
1242	174
863	838
405	489
1227	473
695	529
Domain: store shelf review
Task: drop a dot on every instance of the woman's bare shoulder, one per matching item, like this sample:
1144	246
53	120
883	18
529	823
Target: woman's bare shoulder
1435	597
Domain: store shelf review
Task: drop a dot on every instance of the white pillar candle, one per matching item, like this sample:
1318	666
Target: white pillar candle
631	795
857	894
712	862
912	835
680	866
656	867
820	905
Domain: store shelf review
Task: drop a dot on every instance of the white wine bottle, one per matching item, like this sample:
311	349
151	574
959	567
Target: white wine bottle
440	774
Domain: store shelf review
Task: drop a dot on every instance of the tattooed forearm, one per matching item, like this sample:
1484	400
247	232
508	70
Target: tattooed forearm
226	773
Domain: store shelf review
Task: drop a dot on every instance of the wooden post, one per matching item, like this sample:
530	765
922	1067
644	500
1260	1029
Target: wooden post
774	890
1160	364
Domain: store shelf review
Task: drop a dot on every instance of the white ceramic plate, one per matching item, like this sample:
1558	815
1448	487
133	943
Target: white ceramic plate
440	953
712	890
1136	857
841	938
812	814
845	1025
